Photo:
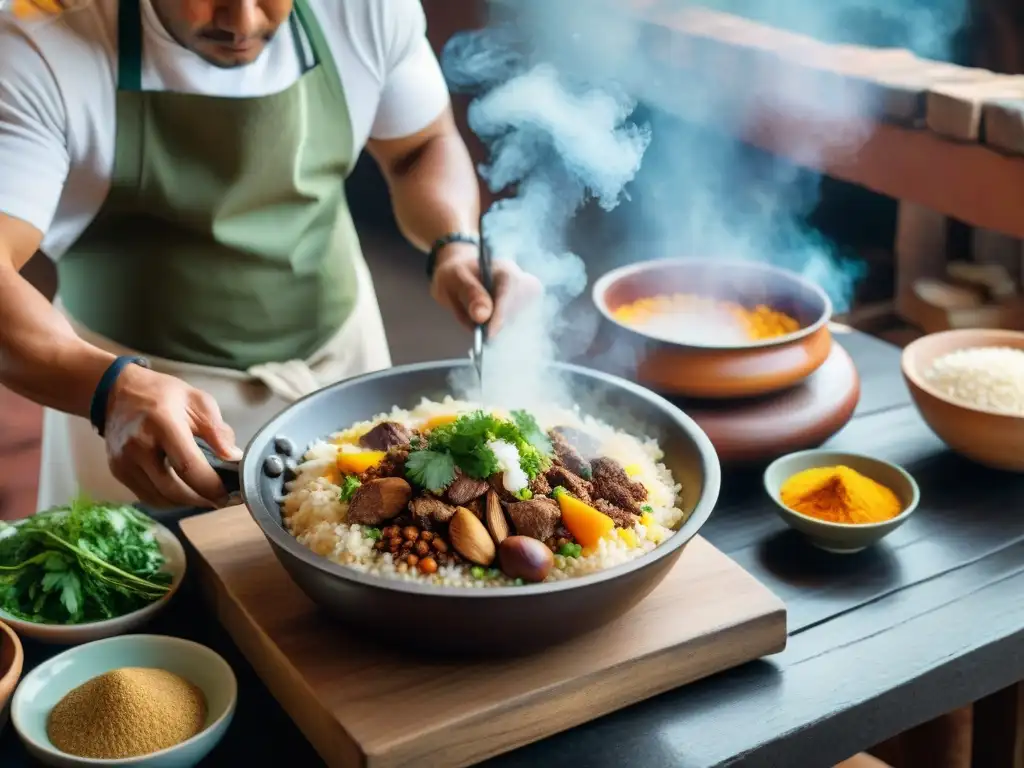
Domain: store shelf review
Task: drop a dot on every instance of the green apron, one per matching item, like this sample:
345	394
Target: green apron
226	238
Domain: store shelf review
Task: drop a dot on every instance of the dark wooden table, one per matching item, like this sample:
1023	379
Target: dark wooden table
929	621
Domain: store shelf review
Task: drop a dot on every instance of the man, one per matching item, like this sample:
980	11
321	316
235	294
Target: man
183	163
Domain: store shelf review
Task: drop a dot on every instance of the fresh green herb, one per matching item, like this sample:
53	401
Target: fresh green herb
372	533
524	494
647	508
80	563
349	486
434	470
570	550
477	572
465	441
519	582
532	432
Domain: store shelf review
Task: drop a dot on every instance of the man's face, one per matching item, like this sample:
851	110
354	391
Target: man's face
227	33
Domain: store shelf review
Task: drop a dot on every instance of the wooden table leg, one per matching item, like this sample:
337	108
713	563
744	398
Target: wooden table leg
999	729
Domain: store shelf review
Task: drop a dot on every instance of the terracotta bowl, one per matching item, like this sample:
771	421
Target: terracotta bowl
987	437
12	658
720	370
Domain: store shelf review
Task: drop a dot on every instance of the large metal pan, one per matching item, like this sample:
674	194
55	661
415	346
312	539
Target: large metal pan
493	621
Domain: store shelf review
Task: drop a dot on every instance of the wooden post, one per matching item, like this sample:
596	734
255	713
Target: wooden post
921	240
999	729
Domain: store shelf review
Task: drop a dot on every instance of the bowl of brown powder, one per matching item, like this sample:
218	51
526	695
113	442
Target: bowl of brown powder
138	700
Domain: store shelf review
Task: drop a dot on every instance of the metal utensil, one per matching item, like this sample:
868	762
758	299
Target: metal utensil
476	354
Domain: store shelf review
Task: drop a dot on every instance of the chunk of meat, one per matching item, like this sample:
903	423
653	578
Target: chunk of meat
577	486
613	484
568	456
536	518
393	465
464	489
387	434
496	482
477	506
585	444
429	512
621	517
540	486
379	500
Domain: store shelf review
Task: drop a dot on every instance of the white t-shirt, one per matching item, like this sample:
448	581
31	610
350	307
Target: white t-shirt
58	85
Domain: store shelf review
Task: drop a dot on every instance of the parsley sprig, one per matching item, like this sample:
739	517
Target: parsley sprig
80	563
462	445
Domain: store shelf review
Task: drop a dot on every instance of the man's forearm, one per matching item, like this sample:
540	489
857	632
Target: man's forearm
41	357
435	192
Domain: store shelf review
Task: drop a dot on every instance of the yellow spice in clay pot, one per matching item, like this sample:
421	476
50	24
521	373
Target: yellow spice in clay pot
839	495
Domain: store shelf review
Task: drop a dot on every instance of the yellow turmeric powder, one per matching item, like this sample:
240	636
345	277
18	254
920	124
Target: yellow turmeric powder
839	495
756	323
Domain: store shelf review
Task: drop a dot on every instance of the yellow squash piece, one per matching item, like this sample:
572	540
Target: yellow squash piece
587	525
439	421
357	462
627	535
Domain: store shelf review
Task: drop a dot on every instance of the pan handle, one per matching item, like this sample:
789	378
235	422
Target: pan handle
230	472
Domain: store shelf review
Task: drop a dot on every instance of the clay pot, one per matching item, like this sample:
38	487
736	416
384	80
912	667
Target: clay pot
718	370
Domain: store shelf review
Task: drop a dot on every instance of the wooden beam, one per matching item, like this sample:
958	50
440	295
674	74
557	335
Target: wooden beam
739	60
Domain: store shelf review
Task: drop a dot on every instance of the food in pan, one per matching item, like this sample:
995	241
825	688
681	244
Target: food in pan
457	494
982	377
684	317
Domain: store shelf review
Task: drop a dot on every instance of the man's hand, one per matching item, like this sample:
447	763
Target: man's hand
457	286
151	421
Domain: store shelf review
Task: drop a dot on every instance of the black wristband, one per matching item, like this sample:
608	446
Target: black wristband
441	242
98	407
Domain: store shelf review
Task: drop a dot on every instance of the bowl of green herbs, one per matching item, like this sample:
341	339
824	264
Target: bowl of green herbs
86	571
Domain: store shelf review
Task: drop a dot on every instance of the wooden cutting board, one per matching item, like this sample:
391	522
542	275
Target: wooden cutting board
363	707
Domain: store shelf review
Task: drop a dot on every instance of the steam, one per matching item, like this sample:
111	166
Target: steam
560	142
568	97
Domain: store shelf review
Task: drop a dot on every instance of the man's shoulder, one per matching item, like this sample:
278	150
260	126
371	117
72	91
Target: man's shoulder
62	43
376	26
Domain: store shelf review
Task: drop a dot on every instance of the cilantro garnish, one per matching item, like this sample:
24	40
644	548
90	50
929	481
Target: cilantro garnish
432	470
464	442
80	563
532	432
349	486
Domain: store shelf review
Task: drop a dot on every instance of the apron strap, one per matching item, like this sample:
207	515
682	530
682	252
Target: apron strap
129	45
318	42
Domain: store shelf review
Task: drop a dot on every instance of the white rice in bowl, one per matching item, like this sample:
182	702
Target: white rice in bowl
314	512
982	377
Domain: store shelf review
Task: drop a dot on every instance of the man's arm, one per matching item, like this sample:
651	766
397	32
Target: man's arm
432	181
41	357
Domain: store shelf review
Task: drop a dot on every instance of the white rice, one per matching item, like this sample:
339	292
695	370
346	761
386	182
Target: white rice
315	515
982	377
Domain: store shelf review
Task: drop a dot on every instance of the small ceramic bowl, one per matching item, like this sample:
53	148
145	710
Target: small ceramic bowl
12	658
48	683
987	437
73	634
837	537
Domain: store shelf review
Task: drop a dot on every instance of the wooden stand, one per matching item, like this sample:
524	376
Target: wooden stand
361	706
765	428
